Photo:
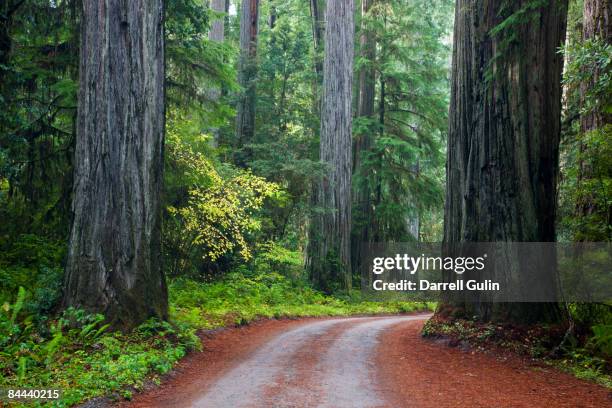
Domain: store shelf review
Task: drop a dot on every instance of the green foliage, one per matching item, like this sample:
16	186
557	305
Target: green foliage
584	60
239	299
37	109
32	262
285	147
193	60
403	171
31	250
586	185
211	213
272	256
602	339
78	354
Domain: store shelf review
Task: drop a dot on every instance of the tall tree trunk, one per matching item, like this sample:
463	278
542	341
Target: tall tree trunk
362	206
247	75
217	26
503	141
329	254
216	34
318	28
596	26
114	258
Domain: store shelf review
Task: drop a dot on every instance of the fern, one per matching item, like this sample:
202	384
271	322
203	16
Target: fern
21	369
18	304
602	338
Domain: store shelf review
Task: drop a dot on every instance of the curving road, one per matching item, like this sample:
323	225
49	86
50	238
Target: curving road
289	372
380	362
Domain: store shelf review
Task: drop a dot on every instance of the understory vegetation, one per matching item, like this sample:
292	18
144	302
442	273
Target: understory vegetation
75	351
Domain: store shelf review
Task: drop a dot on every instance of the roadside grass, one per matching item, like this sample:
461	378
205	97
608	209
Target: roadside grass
76	353
239	299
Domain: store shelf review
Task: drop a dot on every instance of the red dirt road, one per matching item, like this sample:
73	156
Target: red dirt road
377	362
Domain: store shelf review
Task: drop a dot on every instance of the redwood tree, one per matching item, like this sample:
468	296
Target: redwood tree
503	141
114	258
362	206
216	34
217	30
247	75
329	241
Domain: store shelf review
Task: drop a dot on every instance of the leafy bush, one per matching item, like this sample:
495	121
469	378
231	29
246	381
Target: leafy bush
31	250
271	256
212	208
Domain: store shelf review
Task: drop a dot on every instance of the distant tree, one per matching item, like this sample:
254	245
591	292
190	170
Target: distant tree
329	242
247	75
114	258
217	30
401	120
366	91
216	33
503	141
594	209
317	14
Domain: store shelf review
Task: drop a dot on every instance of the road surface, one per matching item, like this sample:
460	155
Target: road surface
364	362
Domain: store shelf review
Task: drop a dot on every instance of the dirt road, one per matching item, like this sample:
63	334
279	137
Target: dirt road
354	363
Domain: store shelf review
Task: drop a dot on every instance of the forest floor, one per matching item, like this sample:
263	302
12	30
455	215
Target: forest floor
358	362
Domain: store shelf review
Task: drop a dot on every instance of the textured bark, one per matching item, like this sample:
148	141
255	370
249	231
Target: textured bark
329	252
363	211
504	129
596	26
247	75
114	259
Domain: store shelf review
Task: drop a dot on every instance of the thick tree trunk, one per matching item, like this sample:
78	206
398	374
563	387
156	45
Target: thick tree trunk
503	142
114	259
329	252
247	75
596	26
362	206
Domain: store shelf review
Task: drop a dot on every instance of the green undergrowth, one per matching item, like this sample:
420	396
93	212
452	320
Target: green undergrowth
590	360
76	352
239	299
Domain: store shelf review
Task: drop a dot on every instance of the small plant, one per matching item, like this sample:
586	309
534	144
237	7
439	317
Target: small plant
602	339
